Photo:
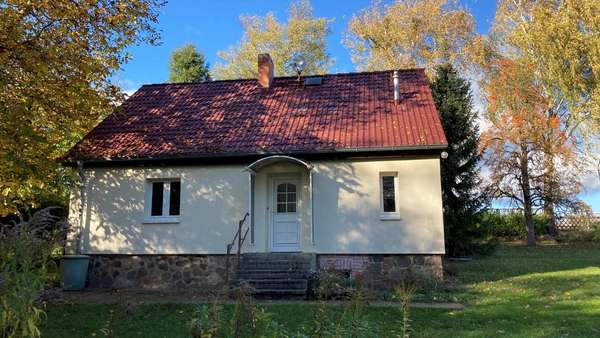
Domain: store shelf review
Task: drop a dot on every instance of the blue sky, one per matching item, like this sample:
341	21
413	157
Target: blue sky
214	25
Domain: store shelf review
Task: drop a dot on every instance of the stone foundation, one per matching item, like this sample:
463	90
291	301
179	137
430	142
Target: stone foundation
157	271
205	272
379	265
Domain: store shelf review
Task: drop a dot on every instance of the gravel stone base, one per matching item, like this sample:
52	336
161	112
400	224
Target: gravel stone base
203	272
375	265
156	271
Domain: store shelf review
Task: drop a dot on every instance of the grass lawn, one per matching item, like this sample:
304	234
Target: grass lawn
547	291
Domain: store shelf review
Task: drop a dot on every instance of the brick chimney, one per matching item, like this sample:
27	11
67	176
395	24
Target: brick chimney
265	70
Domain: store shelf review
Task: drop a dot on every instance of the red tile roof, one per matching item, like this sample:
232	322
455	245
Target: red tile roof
353	111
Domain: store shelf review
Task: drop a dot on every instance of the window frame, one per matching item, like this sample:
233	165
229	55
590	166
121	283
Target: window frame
389	215
165	217
287	202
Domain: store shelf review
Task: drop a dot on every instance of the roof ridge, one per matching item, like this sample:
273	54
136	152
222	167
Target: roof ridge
416	69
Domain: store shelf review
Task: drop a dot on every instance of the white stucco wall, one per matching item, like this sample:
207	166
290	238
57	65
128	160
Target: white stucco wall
213	198
347	207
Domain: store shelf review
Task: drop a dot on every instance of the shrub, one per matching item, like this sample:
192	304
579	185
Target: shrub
511	225
247	319
588	232
331	284
25	258
207	321
250	320
597	233
577	236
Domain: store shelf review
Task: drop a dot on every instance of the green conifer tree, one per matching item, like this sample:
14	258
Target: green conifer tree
188	65
463	200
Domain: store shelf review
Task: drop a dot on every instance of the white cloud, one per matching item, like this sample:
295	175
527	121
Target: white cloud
127	86
591	181
478	102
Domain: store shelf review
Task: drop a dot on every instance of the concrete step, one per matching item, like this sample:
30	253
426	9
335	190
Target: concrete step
279	292
271	274
277	257
274	284
282	266
275	262
276	274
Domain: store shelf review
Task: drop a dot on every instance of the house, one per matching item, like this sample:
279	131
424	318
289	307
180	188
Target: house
341	168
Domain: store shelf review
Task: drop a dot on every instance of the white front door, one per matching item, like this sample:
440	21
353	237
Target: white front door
285	226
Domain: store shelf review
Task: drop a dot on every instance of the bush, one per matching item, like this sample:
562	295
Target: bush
247	319
512	225
583	234
331	284
577	236
25	259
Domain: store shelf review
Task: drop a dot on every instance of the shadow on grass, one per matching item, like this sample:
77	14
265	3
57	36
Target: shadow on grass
516	260
548	291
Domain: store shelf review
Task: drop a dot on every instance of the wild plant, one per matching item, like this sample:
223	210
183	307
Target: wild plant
26	251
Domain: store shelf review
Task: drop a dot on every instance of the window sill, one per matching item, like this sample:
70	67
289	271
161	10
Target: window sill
390	216
161	220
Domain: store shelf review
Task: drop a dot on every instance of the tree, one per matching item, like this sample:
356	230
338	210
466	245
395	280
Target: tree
520	135
412	33
56	61
557	41
303	34
463	201
188	65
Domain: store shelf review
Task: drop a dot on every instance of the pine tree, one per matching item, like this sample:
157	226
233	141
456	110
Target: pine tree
188	65
463	202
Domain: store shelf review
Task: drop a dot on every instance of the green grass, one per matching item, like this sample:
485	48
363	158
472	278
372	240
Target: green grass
547	291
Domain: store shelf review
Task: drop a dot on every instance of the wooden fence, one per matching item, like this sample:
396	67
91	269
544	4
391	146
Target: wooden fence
565	222
577	222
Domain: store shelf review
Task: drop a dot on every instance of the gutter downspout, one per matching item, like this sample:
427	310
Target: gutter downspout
81	175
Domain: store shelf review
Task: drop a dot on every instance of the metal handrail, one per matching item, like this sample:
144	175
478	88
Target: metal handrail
240	241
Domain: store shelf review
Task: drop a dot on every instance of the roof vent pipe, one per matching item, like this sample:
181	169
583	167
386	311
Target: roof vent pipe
396	86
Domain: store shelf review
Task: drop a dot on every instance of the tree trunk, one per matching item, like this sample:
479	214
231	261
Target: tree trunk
528	216
551	188
527	198
551	224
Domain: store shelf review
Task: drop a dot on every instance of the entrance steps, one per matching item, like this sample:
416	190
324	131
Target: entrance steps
276	274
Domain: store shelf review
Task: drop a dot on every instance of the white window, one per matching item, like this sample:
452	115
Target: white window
388	183
163	200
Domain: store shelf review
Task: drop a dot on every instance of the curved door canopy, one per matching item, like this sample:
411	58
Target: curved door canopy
265	161
286	228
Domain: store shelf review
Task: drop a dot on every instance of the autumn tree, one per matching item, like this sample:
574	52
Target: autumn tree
56	61
187	64
516	143
303	33
412	33
463	199
558	41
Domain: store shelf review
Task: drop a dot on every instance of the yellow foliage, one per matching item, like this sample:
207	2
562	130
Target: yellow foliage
560	42
56	58
303	34
413	33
